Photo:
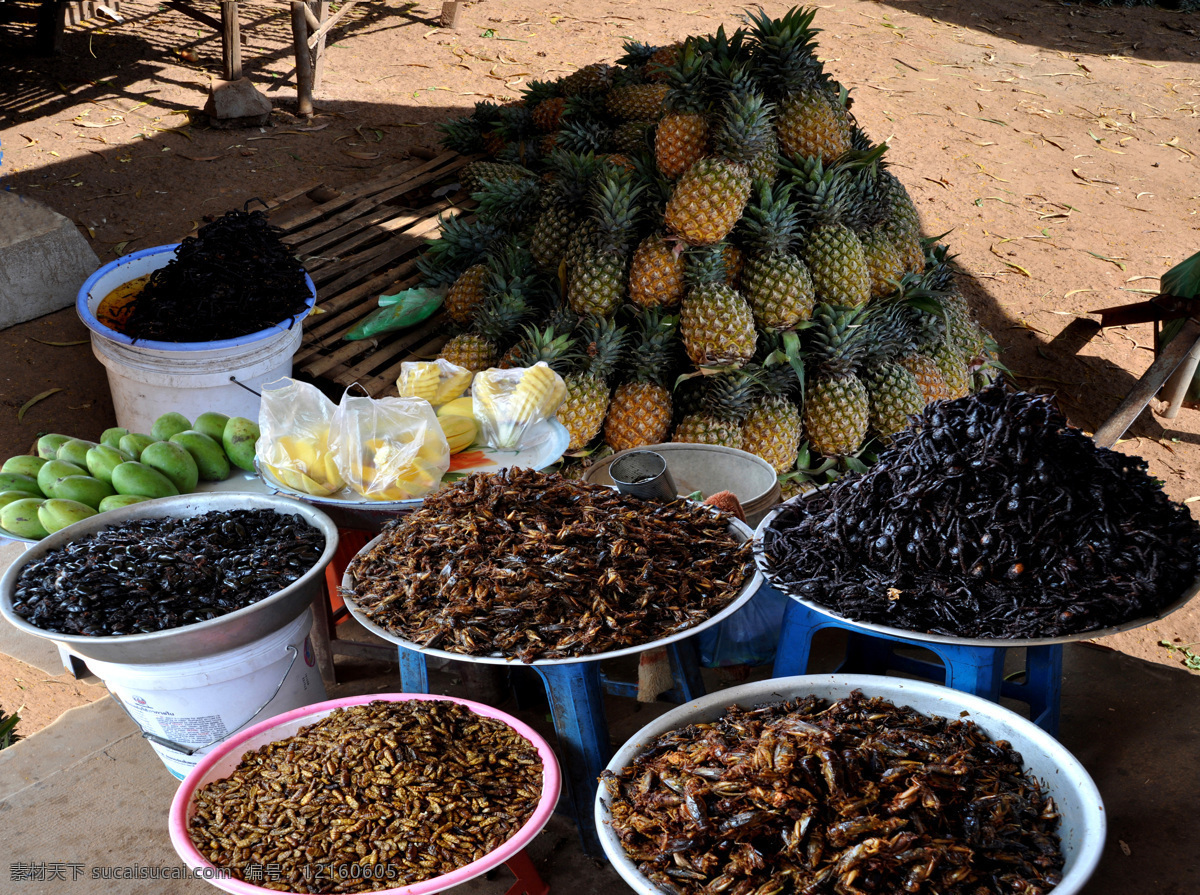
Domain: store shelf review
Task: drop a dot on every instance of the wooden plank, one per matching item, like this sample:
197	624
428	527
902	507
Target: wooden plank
394	186
329	332
231	41
292	195
322	14
191	12
386	381
395	226
392	348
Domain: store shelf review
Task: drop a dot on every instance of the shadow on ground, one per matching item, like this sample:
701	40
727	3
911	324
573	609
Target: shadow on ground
1147	33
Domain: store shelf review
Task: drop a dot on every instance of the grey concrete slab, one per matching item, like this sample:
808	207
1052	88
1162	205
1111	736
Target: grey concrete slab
43	260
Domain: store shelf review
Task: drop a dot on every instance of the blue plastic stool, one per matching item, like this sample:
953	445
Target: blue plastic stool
971	669
576	694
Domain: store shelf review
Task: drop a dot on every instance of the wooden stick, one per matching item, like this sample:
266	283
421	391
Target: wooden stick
304	102
1146	387
1181	380
319	49
202	17
231	41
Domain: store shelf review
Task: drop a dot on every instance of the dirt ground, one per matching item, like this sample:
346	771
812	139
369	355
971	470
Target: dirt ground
1054	143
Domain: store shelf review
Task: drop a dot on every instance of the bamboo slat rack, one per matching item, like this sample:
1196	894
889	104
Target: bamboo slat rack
358	243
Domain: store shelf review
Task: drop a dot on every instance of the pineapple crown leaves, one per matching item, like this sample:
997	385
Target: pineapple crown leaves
636	54
705	265
544	344
783	50
486	114
572	176
1182	280
460	245
508	203
582	135
720	46
838	338
539	91
744	128
770	222
462	135
614	206
500	315
821	193
688	81
651	352
726	393
8	727
602	347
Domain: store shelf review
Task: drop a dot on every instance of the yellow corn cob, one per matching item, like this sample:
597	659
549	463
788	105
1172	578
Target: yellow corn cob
419	379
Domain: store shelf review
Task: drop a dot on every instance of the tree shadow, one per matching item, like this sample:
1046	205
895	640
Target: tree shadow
1141	33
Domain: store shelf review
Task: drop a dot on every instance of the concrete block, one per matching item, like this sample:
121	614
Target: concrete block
43	260
236	104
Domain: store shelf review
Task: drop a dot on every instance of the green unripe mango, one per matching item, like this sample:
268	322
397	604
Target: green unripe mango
7	497
21	518
209	455
134	443
103	459
211	424
137	478
24	464
57	513
15	481
83	489
47	445
50	474
75	451
169	424
238	439
173	461
112	437
120	500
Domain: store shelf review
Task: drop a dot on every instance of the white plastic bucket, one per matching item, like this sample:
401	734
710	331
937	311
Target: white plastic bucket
148	378
190	707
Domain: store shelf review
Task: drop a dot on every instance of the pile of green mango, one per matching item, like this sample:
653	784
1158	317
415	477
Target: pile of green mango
70	479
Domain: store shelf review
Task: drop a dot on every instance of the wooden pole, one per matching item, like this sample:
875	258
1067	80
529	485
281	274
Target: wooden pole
231	40
1181	380
304	78
1152	380
319	50
51	22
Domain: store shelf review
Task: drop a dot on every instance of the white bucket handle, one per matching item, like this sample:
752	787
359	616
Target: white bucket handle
192	750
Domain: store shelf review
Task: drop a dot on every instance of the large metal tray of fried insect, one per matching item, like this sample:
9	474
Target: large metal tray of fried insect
764	567
739	529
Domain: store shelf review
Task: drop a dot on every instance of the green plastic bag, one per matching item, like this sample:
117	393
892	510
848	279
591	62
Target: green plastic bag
399	311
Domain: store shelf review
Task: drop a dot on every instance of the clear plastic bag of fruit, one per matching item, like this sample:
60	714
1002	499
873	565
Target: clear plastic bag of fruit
508	403
389	448
294	445
437	381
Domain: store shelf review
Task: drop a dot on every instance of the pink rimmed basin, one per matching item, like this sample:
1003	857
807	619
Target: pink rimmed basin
221	762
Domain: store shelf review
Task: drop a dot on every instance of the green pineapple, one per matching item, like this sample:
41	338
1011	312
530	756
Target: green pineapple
716	323
709	197
893	391
836	405
641	409
588	390
460	245
726	400
833	251
507	306
903	223
597	278
570	179
775	281
509	203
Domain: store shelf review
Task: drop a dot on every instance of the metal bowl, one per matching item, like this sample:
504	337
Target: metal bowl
227	632
1083	824
224	758
760	560
738	529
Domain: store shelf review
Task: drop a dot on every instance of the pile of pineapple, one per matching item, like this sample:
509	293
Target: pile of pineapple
707	248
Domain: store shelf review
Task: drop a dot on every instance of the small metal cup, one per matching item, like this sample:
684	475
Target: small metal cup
643	474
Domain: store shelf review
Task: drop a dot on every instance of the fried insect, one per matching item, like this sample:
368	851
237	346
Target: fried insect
370	797
536	566
989	517
855	797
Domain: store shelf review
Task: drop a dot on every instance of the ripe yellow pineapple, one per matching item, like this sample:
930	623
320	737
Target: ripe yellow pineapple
726	399
774	426
640	412
467	294
776	282
656	273
597	280
716	323
681	138
588	391
836	406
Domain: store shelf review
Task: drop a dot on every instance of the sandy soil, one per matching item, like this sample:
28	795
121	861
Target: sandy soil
1054	143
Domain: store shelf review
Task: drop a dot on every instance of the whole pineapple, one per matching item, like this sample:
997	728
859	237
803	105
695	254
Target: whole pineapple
709	197
903	223
775	281
727	399
597	281
811	121
570	180
833	252
774	426
836	405
894	393
681	137
467	293
656	273
716	323
498	318
540	345
582	413
640	412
